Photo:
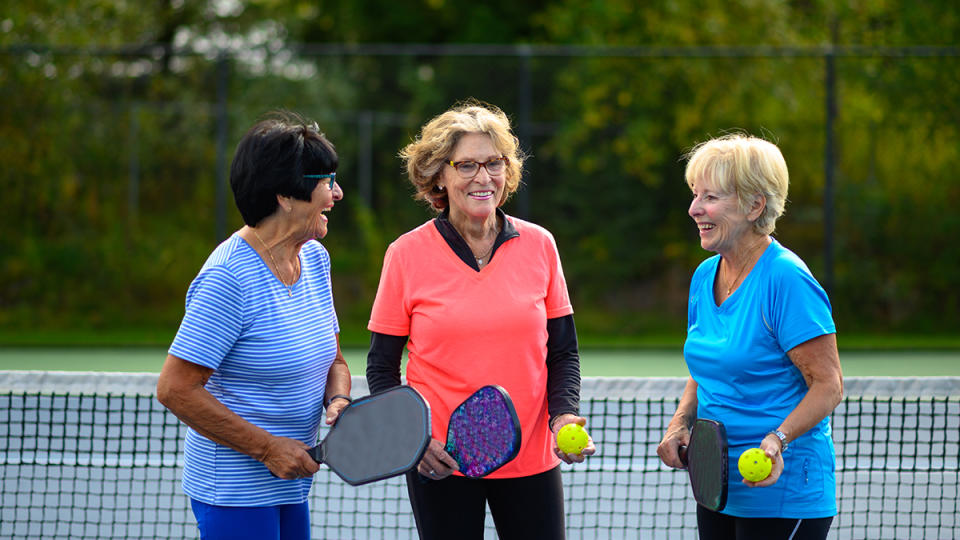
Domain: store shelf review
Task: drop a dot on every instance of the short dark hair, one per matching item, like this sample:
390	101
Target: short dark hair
272	158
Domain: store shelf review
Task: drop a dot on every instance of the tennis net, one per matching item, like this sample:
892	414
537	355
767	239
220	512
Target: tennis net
93	455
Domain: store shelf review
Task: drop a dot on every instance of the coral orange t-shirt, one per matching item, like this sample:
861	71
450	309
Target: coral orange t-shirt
468	329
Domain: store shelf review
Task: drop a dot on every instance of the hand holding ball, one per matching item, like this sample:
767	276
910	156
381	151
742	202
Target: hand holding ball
754	464
572	439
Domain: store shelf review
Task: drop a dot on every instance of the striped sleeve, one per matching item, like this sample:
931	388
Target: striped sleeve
213	319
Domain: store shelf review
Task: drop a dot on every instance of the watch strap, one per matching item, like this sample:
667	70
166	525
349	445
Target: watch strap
783	439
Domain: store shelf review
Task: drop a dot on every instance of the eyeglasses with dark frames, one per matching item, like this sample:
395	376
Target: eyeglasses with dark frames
468	169
332	176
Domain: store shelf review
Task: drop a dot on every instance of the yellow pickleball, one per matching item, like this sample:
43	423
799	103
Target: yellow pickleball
572	439
754	464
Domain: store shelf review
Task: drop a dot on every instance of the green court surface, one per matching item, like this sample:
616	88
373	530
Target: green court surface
595	362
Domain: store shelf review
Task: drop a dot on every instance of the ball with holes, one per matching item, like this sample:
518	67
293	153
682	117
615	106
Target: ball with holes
754	464
572	439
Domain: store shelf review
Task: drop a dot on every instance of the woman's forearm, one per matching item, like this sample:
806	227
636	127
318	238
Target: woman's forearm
180	388
338	378
687	408
819	363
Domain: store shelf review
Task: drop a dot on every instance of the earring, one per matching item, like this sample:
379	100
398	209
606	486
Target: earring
440	188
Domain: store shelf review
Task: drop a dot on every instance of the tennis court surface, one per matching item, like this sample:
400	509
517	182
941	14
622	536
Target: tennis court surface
93	455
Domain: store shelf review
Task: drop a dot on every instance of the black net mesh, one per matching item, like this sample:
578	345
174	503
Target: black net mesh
86	464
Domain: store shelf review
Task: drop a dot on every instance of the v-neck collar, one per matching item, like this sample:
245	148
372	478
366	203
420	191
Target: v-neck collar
731	300
459	245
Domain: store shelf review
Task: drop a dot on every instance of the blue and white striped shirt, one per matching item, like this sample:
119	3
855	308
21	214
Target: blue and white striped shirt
270	353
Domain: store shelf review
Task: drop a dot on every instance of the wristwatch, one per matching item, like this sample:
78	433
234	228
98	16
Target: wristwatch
783	439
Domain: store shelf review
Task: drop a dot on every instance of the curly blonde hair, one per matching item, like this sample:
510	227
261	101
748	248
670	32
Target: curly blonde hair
432	149
746	166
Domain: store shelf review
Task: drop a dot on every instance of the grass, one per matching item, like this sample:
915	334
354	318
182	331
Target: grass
86	337
629	354
356	336
595	362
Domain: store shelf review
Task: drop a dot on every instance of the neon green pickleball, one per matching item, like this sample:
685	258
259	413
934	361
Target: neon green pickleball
572	439
754	464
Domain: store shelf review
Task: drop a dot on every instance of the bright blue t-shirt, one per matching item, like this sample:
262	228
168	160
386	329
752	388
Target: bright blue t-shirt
737	354
270	352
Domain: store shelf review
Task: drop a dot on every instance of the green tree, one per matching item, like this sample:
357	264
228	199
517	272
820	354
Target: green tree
109	127
631	119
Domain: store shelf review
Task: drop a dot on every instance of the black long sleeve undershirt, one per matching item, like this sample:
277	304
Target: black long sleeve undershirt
563	356
383	361
563	365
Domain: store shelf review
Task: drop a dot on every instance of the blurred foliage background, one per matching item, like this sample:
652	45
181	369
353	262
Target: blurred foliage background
118	120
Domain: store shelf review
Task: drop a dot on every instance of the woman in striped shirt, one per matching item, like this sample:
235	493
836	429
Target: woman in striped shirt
257	356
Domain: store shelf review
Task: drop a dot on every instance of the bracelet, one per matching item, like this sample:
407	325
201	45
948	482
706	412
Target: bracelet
783	439
338	396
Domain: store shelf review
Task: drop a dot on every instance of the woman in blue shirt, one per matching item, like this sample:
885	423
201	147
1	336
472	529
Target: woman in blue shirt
257	357
761	349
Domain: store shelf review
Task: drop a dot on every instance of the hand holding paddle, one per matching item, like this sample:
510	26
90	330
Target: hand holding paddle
706	461
284	457
437	464
334	408
377	436
483	434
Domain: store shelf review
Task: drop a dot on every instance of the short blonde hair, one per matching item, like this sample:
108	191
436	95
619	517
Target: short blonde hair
745	166
432	149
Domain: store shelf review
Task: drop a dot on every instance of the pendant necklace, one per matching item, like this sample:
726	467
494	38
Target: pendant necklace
482	257
742	268
730	286
485	255
275	265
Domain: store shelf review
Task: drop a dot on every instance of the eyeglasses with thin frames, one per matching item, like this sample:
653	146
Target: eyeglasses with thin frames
468	169
332	176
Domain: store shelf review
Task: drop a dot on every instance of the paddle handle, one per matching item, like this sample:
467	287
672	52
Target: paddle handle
317	453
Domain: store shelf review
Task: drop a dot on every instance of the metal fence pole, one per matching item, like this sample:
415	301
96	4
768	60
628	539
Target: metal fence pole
365	157
133	170
828	164
524	131
222	120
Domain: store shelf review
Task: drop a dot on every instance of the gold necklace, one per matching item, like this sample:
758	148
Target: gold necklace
742	268
275	265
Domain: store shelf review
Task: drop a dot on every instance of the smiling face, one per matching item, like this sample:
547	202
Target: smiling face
476	198
721	223
310	214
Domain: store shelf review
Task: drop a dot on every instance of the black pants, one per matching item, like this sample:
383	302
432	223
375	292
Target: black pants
717	526
530	507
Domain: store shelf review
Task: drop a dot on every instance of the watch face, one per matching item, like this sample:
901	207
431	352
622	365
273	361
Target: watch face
783	439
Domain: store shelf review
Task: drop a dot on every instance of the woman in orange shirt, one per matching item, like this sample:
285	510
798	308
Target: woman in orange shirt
478	297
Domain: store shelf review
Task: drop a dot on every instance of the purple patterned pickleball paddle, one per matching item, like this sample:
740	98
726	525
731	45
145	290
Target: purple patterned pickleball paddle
484	432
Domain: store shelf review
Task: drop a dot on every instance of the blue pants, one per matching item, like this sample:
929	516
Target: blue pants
281	522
